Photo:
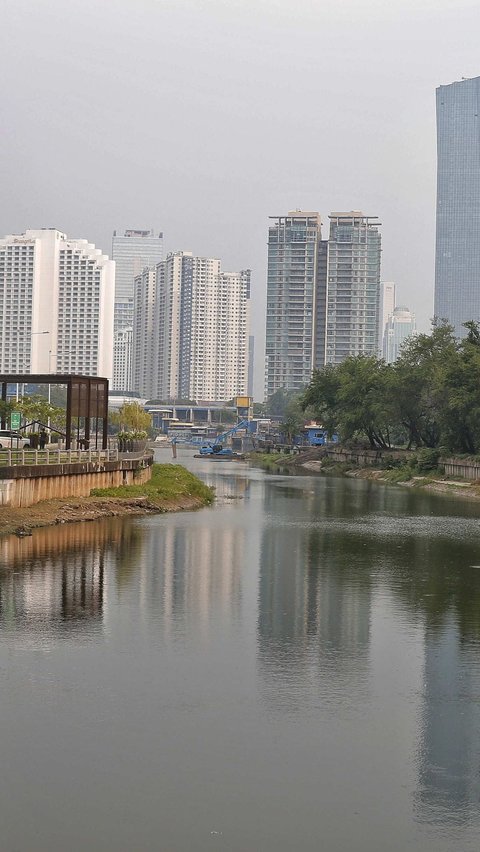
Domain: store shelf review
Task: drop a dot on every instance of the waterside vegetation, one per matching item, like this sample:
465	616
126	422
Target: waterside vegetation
429	398
169	483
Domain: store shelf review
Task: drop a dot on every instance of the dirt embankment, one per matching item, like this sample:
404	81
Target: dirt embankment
74	509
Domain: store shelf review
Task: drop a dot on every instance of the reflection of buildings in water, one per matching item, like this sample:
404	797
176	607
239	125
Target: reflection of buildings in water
54	583
227	484
193	573
449	751
314	622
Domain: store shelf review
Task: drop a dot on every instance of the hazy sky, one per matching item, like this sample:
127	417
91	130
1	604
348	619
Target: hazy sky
201	118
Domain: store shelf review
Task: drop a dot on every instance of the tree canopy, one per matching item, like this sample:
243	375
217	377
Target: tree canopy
36	408
131	416
429	397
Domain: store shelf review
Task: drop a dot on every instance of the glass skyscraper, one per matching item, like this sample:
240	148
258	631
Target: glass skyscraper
457	256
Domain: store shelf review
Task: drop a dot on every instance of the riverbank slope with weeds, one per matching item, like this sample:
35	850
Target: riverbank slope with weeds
172	488
420	470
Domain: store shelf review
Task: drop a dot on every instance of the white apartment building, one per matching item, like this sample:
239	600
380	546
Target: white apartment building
56	305
191	330
123	357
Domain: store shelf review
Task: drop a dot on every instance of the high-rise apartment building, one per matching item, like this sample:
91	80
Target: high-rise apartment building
56	305
145	335
457	256
191	330
123	360
132	251
353	286
399	327
295	253
251	364
322	296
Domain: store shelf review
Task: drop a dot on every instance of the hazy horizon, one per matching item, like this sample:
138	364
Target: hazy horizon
201	119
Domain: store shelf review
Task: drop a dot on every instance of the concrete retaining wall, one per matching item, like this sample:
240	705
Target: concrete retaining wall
22	486
364	458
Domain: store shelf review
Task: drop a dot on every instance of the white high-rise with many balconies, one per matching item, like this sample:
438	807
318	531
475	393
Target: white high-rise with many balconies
56	305
191	330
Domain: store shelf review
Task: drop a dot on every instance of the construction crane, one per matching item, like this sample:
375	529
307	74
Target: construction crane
216	447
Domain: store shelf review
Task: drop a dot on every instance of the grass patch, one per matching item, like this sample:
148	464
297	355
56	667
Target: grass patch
169	483
269	461
399	474
338	467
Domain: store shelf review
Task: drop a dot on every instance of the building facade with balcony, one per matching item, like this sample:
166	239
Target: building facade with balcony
191	330
293	298
56	305
353	286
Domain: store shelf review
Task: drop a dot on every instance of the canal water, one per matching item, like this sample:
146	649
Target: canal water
295	668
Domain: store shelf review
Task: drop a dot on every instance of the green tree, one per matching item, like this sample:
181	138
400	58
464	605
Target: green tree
131	417
37	408
353	398
293	419
460	410
418	384
276	405
6	409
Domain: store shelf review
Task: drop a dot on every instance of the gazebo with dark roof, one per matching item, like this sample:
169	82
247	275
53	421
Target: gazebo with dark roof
87	400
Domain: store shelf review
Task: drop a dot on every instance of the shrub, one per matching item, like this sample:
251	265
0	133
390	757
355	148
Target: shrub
427	459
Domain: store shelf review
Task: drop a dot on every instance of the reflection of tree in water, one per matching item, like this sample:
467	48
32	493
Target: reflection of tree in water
432	578
54	582
323	556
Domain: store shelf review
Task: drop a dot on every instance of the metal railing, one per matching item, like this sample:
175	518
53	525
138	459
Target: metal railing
10	457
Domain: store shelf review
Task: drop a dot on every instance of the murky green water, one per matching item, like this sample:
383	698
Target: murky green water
297	668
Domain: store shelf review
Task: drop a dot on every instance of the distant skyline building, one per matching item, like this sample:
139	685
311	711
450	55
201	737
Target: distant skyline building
132	251
457	254
353	286
56	305
191	330
399	327
388	301
294	256
145	380
122	363
251	364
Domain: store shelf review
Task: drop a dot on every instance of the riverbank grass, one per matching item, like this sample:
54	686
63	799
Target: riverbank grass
268	461
169	483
